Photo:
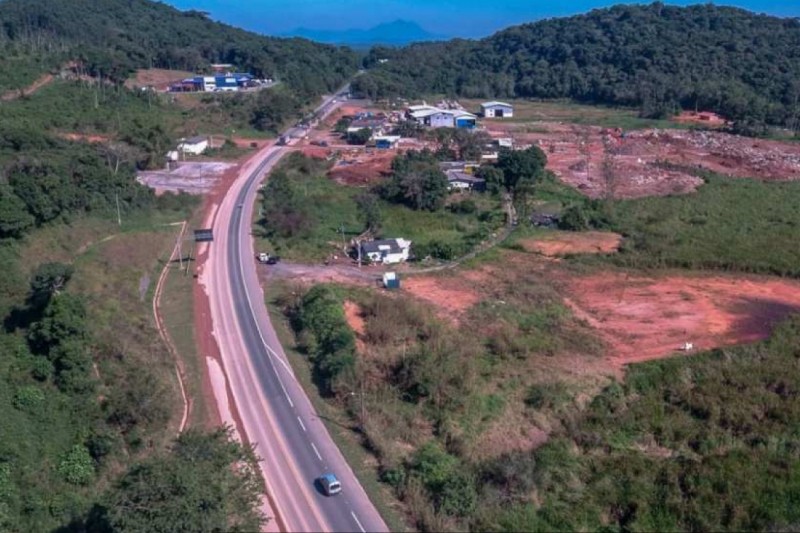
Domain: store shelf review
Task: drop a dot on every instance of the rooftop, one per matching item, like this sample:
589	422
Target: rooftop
197	139
495	104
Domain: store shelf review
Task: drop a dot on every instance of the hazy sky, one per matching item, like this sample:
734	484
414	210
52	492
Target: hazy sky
464	18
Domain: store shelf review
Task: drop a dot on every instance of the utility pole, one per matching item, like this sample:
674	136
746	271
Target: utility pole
344	244
119	216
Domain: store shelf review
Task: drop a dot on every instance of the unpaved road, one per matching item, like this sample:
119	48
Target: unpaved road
276	415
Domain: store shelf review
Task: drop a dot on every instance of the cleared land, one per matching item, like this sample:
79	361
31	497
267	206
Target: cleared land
158	78
561	243
605	163
187	177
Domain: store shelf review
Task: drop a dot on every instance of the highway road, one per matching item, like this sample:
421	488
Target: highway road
275	413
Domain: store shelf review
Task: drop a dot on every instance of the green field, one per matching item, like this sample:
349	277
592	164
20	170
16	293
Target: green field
565	111
728	224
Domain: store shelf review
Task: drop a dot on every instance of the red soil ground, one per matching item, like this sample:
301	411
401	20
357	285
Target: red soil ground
364	168
450	296
643	318
601	162
158	78
559	243
352	312
702	118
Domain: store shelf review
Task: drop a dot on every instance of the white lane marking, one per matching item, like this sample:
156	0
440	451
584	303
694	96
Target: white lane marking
357	522
259	170
280	360
316	451
280	382
301	423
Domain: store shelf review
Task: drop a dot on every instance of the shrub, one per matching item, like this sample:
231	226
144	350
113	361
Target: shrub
28	398
77	466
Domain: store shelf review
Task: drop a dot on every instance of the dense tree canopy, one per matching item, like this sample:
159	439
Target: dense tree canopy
659	57
416	181
114	37
206	483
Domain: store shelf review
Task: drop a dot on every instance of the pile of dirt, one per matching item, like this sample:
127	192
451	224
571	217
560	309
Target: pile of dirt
701	118
643	318
561	243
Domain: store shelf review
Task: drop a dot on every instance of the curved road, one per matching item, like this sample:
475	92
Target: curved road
274	411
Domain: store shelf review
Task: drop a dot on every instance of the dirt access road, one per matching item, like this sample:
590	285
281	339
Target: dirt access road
270	406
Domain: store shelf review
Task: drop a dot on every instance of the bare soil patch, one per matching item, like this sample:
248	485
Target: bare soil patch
643	318
360	168
451	296
40	82
85	137
702	118
158	78
189	177
603	162
355	319
566	243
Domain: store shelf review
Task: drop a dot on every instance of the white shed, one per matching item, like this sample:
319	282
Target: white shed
497	110
193	145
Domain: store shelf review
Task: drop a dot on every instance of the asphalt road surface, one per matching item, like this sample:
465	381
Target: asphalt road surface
275	413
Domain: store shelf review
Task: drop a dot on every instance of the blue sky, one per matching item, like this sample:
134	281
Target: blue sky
464	18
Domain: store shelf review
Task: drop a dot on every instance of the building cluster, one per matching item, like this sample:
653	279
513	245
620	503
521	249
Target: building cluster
222	80
437	117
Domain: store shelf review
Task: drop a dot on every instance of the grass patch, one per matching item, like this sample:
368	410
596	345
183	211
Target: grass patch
728	224
575	113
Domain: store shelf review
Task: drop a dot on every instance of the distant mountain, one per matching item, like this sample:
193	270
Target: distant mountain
397	33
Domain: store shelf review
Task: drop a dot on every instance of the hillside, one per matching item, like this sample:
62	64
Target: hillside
114	37
743	65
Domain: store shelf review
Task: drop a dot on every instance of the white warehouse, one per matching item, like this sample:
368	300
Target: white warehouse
497	110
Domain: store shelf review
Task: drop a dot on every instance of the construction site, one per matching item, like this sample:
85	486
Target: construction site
190	177
612	163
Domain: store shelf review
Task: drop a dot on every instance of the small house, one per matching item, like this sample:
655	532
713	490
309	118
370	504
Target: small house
497	110
386	251
461	181
193	145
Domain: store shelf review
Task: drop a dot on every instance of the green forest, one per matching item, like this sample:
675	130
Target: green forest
656	57
112	38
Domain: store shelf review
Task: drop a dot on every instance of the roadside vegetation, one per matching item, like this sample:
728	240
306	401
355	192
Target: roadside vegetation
309	217
88	395
431	399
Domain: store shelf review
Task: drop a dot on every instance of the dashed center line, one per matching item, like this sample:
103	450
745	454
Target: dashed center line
300	421
358	522
316	451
